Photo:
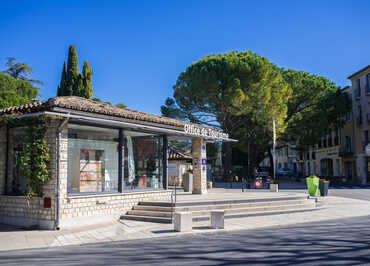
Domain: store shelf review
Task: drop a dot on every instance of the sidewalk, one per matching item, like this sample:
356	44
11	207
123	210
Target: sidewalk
14	238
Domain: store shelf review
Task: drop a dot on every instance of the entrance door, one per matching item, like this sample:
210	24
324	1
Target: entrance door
348	170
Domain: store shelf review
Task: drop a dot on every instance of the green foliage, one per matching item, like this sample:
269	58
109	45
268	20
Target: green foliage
19	71
218	89
86	78
72	83
121	105
15	92
63	82
35	158
97	100
230	91
72	63
316	106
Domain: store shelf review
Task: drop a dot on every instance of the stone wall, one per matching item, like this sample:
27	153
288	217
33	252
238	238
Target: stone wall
19	211
90	209
16	209
2	158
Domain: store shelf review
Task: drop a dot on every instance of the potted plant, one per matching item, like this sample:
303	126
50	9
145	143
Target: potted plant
313	185
324	187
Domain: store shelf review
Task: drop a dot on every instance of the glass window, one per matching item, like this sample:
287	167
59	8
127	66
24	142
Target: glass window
358	89
143	161
92	159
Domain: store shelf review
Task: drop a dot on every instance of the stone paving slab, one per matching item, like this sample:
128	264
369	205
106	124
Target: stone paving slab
12	238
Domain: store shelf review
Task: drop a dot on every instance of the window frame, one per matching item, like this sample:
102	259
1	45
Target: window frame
121	187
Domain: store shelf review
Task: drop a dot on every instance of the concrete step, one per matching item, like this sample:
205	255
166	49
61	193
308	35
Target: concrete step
233	211
219	206
147	218
149	213
260	213
159	211
220	202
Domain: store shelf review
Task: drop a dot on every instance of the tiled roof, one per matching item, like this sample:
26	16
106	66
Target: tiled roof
90	106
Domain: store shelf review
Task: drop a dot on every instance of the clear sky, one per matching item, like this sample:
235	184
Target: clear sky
138	48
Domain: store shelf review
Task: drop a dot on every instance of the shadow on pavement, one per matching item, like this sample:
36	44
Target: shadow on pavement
336	242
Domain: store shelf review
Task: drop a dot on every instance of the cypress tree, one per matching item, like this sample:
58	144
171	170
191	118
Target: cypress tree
62	85
87	81
72	65
73	83
79	87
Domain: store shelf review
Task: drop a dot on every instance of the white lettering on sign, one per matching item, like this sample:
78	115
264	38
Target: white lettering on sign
204	132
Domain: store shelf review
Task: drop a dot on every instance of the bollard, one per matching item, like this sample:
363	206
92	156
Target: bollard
217	219
274	187
183	222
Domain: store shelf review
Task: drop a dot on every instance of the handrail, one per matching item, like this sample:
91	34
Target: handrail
172	201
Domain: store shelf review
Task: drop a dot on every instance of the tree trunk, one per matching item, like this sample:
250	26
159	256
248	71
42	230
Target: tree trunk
228	161
271	163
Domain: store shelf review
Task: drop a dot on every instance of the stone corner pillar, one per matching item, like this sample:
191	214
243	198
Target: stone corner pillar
199	166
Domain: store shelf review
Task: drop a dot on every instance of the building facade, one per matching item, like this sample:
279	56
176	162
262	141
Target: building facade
103	161
361	118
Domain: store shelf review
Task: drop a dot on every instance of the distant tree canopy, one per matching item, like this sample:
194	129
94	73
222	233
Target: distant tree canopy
222	90
16	92
119	105
242	92
19	71
316	107
72	83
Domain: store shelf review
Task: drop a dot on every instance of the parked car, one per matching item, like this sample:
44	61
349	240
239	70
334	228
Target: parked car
285	172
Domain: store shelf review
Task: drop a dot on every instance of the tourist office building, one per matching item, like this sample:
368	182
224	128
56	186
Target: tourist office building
103	161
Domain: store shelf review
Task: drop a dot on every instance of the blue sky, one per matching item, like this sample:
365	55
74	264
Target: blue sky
138	48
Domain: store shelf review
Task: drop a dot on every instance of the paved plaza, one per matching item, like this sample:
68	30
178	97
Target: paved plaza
330	208
340	242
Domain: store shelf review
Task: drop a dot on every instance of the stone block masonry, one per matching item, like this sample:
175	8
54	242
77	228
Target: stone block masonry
90	209
199	166
2	158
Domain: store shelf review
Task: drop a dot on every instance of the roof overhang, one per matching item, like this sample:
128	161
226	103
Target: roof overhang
359	72
209	136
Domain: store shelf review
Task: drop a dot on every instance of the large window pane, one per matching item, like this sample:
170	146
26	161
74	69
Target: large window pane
143	163
92	159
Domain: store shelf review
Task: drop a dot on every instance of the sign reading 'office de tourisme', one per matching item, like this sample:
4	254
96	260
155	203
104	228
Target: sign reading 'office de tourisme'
204	132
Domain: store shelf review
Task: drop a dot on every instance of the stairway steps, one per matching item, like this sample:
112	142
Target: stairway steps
218	207
255	209
260	213
220	202
160	212
147	218
149	213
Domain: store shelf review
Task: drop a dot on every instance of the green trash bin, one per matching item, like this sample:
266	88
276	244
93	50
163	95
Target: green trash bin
313	185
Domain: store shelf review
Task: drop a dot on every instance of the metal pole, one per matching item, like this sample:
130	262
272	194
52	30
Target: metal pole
273	146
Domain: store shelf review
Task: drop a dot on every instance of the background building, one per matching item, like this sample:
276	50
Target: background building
361	116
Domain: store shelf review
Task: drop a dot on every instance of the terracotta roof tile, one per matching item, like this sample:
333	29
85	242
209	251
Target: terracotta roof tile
90	106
